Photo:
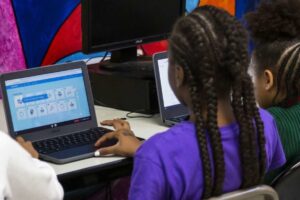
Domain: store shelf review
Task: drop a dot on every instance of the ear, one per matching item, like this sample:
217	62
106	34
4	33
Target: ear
269	80
179	76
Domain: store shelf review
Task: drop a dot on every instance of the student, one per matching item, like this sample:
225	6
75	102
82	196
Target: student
23	176
228	143
275	29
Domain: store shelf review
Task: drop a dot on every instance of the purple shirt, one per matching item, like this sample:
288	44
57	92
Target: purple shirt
167	166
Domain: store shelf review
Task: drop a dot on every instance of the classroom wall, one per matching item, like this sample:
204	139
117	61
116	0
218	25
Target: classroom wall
35	33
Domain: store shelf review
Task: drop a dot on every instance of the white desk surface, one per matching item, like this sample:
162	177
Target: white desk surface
142	127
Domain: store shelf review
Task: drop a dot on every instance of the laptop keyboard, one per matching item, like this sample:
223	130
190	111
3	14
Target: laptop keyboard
70	141
178	119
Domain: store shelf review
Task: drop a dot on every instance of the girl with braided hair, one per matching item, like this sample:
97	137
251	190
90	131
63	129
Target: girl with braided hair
275	29
228	143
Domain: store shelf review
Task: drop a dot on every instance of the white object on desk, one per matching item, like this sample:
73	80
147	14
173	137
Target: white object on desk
142	127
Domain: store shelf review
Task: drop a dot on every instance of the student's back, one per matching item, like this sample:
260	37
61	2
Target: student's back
228	143
275	29
23	177
288	124
169	163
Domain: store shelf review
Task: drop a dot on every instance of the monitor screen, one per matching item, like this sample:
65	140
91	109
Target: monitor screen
169	98
47	100
116	24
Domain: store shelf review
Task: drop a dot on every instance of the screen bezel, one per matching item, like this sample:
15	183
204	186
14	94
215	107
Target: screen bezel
166	112
55	131
88	47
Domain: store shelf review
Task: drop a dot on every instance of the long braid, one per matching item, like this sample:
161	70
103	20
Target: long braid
215	63
214	132
250	111
233	63
201	136
212	119
212	125
209	88
258	123
246	159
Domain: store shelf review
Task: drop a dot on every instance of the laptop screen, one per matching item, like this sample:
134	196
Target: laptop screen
47	101
169	98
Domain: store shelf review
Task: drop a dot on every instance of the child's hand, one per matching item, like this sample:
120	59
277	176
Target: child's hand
117	124
27	145
127	143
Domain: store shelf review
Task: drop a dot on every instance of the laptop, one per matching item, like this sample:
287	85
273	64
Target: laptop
171	110
53	107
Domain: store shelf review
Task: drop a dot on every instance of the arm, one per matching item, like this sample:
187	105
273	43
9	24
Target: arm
29	178
127	142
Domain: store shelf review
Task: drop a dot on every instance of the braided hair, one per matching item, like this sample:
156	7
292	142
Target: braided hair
275	29
211	46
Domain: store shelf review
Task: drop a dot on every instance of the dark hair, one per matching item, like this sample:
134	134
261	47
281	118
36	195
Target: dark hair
211	46
275	29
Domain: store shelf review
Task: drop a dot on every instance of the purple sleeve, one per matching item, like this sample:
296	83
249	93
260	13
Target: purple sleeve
277	159
147	180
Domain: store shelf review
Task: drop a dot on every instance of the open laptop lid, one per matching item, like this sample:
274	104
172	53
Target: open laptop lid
48	101
169	105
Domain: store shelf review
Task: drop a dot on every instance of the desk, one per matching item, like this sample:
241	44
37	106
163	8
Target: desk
142	127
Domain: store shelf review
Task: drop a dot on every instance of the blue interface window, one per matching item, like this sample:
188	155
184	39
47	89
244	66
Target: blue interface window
47	99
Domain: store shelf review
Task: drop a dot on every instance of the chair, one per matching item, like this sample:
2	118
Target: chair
287	184
261	192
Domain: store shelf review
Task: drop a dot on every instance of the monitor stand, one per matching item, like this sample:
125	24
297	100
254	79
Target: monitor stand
126	61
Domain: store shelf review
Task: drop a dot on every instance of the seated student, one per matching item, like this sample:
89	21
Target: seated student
219	149
23	176
275	29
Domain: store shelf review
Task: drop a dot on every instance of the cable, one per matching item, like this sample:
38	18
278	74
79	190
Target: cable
102	59
130	114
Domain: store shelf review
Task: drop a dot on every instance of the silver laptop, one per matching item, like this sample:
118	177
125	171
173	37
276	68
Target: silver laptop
171	110
53	107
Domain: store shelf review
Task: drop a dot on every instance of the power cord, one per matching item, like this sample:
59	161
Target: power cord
103	58
135	114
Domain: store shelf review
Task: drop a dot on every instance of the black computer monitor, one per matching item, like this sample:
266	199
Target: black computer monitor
120	26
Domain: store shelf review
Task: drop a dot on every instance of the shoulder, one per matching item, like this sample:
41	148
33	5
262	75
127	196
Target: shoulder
163	143
271	131
266	115
7	144
11	152
274	150
268	120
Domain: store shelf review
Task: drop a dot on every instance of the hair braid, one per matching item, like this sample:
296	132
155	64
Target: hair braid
211	46
197	109
235	33
258	123
251	127
212	125
291	68
209	89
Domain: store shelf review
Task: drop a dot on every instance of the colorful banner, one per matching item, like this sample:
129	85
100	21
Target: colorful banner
35	33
